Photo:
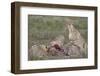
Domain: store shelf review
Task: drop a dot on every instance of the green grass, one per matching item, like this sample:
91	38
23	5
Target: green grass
42	29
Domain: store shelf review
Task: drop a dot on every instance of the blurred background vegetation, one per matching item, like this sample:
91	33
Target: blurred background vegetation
43	29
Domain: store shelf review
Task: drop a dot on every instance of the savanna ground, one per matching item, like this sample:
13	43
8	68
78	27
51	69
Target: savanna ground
43	29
